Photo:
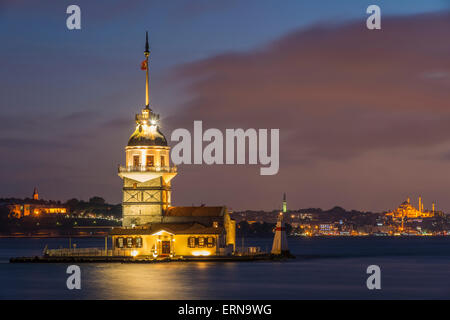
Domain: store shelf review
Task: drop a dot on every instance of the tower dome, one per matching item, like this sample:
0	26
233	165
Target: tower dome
147	131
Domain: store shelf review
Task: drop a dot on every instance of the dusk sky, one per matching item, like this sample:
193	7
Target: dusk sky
364	116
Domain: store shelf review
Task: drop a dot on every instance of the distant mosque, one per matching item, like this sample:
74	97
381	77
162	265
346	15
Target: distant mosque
407	210
151	226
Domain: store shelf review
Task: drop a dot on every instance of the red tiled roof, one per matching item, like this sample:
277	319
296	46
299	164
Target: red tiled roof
175	228
195	211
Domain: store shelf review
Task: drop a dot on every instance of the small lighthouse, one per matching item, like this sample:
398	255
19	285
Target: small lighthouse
280	245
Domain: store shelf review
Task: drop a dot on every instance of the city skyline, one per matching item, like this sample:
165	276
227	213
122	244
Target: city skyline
362	115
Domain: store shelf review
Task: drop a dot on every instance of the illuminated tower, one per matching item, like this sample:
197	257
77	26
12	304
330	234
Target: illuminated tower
147	171
420	204
284	203
35	194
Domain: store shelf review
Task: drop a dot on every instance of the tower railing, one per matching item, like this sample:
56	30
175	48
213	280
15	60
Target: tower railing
147	169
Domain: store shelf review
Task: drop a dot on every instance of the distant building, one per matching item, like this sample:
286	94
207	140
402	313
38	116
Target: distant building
35	194
406	210
34	208
307	215
325	227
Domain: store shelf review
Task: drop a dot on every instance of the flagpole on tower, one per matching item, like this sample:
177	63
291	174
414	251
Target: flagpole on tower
147	53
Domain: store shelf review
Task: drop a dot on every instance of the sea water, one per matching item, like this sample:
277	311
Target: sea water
324	268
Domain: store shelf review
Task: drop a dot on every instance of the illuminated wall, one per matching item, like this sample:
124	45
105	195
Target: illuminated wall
144	202
230	228
160	156
166	244
24	210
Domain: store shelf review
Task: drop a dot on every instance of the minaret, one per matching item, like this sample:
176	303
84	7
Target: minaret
147	172
420	204
35	194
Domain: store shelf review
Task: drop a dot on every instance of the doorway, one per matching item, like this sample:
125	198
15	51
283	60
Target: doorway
165	247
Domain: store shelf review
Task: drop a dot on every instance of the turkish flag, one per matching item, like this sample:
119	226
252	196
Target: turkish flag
144	65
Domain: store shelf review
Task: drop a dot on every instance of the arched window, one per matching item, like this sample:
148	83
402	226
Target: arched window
136	162
138	242
129	242
119	242
150	161
211	242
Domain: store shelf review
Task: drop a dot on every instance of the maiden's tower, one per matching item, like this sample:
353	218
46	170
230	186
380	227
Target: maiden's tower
151	226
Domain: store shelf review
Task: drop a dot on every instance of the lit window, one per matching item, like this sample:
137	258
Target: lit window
191	242
136	161
120	242
138	242
129	242
150	161
210	242
201	242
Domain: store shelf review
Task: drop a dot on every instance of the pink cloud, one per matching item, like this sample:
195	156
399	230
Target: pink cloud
340	87
337	93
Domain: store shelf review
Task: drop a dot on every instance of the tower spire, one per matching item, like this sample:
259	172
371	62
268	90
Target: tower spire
35	194
146	53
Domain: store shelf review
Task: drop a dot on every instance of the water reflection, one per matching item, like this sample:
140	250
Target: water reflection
338	271
190	280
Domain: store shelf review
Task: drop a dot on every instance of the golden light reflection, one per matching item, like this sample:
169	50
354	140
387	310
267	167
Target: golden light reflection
148	281
201	253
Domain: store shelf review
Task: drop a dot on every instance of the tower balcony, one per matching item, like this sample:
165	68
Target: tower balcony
124	169
146	173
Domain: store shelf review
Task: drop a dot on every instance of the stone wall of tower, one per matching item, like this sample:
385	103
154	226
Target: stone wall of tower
144	202
230	227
